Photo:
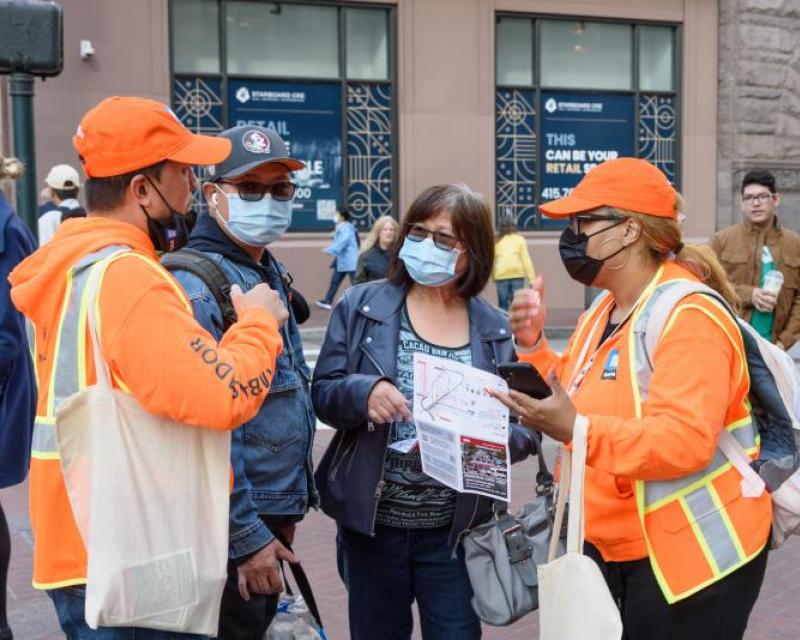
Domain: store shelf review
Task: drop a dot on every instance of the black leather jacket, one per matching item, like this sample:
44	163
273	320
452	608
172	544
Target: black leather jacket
360	349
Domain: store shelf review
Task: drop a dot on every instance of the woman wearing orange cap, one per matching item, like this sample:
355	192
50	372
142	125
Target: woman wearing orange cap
682	549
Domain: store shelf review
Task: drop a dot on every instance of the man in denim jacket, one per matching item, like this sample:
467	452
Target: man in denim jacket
250	204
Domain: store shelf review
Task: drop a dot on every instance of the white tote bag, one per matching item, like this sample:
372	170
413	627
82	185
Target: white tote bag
150	497
574	600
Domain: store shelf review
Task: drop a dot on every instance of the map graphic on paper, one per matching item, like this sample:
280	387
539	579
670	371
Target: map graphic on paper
462	432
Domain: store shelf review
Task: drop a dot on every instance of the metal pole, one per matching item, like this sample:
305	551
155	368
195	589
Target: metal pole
21	85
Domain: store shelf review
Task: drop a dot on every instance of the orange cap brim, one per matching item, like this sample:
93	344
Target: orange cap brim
202	150
569	206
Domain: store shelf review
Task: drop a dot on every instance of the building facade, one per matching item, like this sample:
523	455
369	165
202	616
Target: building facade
515	98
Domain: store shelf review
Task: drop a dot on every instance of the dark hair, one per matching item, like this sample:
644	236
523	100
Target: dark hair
345	214
472	225
507	225
105	194
66	194
761	177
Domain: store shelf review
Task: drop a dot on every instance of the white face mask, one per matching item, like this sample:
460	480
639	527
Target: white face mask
256	224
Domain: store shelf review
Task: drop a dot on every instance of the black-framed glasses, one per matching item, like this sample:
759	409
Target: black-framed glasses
417	233
255	191
575	221
760	198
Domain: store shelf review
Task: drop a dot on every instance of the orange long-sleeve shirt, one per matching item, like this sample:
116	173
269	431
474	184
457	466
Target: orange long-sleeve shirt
156	351
698	386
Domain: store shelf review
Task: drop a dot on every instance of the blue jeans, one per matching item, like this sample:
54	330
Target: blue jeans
385	574
70	603
336	279
506	289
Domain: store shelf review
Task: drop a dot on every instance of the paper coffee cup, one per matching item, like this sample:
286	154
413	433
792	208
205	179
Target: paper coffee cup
773	282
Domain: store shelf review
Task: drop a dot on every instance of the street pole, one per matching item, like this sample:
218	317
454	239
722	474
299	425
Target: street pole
21	85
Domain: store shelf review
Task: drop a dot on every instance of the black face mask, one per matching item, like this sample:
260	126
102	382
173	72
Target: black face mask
172	235
581	266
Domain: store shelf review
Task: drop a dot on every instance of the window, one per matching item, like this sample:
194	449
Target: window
195	44
318	74
367	44
586	55
292	41
571	94
656	53
514	51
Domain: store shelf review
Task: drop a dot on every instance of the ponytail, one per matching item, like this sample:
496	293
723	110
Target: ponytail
662	238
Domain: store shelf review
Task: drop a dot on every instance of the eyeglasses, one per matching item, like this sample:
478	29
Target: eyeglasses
760	198
575	221
418	233
255	191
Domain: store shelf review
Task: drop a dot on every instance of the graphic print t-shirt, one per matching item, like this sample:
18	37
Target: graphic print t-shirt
411	499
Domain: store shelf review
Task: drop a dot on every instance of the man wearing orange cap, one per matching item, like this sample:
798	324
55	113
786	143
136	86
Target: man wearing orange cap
137	159
682	547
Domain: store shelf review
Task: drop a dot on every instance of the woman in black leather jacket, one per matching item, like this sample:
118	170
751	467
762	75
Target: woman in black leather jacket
397	527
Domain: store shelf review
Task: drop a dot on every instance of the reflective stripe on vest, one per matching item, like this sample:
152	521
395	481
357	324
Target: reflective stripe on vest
713	531
68	374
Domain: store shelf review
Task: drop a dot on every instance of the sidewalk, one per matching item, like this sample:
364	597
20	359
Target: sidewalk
776	616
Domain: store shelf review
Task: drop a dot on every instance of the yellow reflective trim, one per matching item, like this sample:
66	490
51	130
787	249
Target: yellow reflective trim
51	387
45	455
657	572
81	346
45	586
699	537
726	521
738	424
46	419
706	479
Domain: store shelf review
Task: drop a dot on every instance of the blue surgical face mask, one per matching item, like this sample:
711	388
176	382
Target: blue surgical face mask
256	224
427	264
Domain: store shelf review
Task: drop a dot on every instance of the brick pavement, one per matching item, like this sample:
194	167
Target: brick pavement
776	616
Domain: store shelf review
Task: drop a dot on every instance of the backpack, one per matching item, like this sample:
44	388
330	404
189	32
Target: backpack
774	398
212	275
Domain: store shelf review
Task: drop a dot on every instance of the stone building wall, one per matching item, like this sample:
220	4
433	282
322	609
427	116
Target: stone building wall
759	102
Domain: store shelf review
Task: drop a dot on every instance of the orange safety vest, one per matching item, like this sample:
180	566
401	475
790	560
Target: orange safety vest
697	528
59	558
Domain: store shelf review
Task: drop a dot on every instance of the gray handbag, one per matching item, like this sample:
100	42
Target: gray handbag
502	554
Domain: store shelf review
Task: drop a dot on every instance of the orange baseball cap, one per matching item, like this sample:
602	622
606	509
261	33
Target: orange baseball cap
123	134
623	183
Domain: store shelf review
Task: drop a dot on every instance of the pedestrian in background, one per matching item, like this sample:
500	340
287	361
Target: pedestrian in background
373	262
64	184
398	527
344	250
17	383
749	251
512	264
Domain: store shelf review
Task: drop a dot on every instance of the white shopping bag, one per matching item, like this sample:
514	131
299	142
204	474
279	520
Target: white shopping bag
150	497
574	600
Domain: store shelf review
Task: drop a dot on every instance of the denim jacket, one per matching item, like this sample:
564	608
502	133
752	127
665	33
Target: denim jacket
344	247
360	350
270	454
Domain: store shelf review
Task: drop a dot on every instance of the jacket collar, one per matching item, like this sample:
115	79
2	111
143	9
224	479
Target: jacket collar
755	230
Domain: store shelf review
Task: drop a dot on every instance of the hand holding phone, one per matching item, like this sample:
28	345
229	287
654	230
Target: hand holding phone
525	378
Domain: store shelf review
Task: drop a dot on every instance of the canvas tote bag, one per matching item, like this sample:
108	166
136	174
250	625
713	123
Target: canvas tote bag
150	498
574	600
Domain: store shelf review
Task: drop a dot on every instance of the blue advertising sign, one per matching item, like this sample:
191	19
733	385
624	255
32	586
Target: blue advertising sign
308	116
579	131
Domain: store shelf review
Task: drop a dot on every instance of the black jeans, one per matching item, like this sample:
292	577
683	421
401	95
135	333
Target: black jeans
241	620
718	612
336	279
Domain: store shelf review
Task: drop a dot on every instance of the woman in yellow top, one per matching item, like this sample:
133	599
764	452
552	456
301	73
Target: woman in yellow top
512	264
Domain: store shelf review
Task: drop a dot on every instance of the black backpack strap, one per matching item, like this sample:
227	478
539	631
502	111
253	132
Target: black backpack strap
301	580
200	265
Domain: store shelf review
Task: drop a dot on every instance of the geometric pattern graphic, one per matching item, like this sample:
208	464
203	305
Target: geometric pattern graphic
657	129
369	152
198	104
515	155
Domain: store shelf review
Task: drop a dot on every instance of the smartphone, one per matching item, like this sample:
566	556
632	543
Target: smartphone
524	377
